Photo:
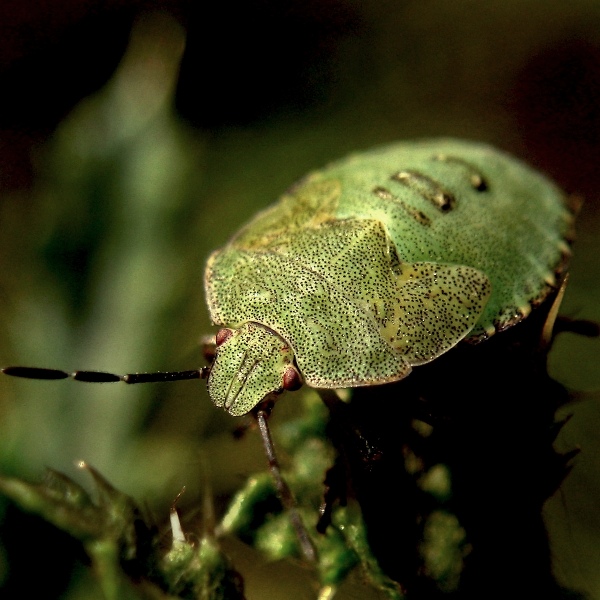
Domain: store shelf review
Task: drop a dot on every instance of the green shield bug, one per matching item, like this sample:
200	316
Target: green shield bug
373	265
381	262
377	263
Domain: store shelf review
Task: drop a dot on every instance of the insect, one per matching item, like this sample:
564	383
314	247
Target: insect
379	263
373	265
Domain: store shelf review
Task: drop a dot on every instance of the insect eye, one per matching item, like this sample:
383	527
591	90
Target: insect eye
222	336
291	379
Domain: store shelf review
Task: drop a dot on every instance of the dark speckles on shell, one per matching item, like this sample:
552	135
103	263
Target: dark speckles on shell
386	259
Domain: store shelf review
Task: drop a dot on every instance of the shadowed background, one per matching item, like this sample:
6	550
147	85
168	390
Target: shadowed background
135	140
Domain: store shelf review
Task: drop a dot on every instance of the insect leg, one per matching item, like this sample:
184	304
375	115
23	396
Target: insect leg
283	490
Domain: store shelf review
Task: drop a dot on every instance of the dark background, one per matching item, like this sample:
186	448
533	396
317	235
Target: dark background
137	136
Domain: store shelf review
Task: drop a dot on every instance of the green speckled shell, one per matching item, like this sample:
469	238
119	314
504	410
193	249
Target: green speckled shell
388	258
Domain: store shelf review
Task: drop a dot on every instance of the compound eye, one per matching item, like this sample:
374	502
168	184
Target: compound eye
291	379
222	336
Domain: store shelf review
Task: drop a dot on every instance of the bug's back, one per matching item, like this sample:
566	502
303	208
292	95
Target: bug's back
451	202
387	259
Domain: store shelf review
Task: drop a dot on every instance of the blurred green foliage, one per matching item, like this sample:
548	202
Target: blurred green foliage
101	258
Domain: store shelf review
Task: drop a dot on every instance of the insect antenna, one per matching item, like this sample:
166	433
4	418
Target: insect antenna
287	499
103	377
